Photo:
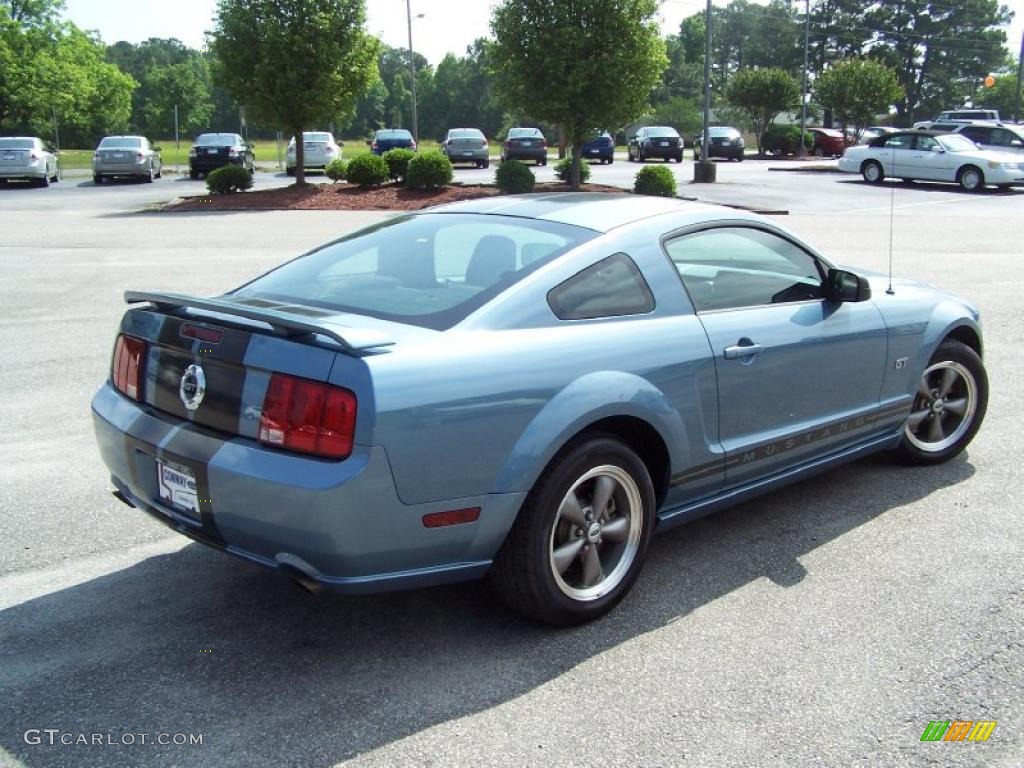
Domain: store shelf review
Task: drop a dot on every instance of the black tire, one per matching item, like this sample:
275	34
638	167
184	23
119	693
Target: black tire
679	157
97	179
44	181
289	171
487	164
611	160
968	384
194	175
872	172
971	178
524	572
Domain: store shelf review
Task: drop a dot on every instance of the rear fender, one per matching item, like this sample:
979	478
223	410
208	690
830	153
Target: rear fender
587	400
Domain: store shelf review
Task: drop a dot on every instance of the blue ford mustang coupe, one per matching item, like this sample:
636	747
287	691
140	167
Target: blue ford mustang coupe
524	388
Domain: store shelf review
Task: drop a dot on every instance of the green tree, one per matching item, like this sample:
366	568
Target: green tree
940	51
682	114
856	90
761	94
1001	96
49	69
584	65
294	63
399	101
182	85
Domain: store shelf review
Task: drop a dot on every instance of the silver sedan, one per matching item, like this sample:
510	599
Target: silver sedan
467	145
27	157
126	156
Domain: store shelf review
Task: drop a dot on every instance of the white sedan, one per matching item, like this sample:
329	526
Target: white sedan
933	156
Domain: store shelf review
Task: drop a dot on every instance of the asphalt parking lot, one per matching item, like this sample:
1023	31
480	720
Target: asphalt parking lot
825	624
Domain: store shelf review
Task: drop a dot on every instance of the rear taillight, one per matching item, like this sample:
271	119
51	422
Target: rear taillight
128	366
544	143
375	146
413	146
139	155
232	152
192	152
308	417
33	156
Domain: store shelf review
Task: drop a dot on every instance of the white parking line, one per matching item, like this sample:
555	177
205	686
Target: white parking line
899	207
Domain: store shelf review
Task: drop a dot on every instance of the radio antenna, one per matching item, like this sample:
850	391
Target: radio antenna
892	216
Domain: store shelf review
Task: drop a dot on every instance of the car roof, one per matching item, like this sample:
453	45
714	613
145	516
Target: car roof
598	211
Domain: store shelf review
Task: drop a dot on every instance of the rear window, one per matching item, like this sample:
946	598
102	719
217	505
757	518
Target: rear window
430	270
321	137
516	133
611	288
730	132
465	133
121	142
17	144
394	135
659	133
216	140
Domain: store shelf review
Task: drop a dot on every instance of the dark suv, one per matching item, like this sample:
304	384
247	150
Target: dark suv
215	150
656	141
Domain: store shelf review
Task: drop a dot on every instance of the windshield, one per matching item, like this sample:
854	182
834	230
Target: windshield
430	270
17	144
662	132
216	140
394	134
121	142
957	143
465	133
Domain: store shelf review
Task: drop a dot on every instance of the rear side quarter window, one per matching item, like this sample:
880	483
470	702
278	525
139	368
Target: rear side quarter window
612	287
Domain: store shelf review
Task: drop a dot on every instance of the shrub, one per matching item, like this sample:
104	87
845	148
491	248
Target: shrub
367	170
398	162
655	180
335	170
429	170
784	139
514	178
563	170
230	178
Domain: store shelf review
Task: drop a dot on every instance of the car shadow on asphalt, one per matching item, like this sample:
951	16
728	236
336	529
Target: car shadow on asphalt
932	186
198	642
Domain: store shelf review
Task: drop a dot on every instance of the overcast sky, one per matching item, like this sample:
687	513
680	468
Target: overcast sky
448	25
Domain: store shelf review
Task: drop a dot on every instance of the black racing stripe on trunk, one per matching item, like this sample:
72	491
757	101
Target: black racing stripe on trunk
222	363
191	448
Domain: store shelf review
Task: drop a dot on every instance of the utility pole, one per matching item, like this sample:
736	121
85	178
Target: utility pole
1020	76
704	171
801	150
412	69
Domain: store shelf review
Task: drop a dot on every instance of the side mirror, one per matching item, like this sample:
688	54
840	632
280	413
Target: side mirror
846	286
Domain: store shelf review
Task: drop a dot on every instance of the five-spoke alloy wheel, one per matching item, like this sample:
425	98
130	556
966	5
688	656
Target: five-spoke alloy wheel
949	406
580	539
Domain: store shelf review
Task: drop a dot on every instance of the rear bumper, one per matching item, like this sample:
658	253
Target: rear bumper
23	173
597	153
337	524
202	164
719	150
468	155
663	152
525	153
109	169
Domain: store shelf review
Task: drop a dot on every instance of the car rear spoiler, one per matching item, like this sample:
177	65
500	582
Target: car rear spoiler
278	318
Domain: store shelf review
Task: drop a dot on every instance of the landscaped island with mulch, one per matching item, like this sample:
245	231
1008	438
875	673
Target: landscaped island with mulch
351	197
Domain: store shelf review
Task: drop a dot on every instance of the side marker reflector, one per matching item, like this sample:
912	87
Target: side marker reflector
451	517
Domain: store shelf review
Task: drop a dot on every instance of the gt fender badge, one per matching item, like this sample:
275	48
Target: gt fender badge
192	389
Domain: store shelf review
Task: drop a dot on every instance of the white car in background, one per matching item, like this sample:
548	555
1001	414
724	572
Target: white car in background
319	149
933	156
27	158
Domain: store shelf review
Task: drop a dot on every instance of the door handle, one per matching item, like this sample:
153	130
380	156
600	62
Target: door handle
744	348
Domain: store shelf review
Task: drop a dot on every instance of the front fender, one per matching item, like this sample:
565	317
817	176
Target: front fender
588	399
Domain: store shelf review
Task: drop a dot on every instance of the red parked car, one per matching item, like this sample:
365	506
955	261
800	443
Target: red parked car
828	142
